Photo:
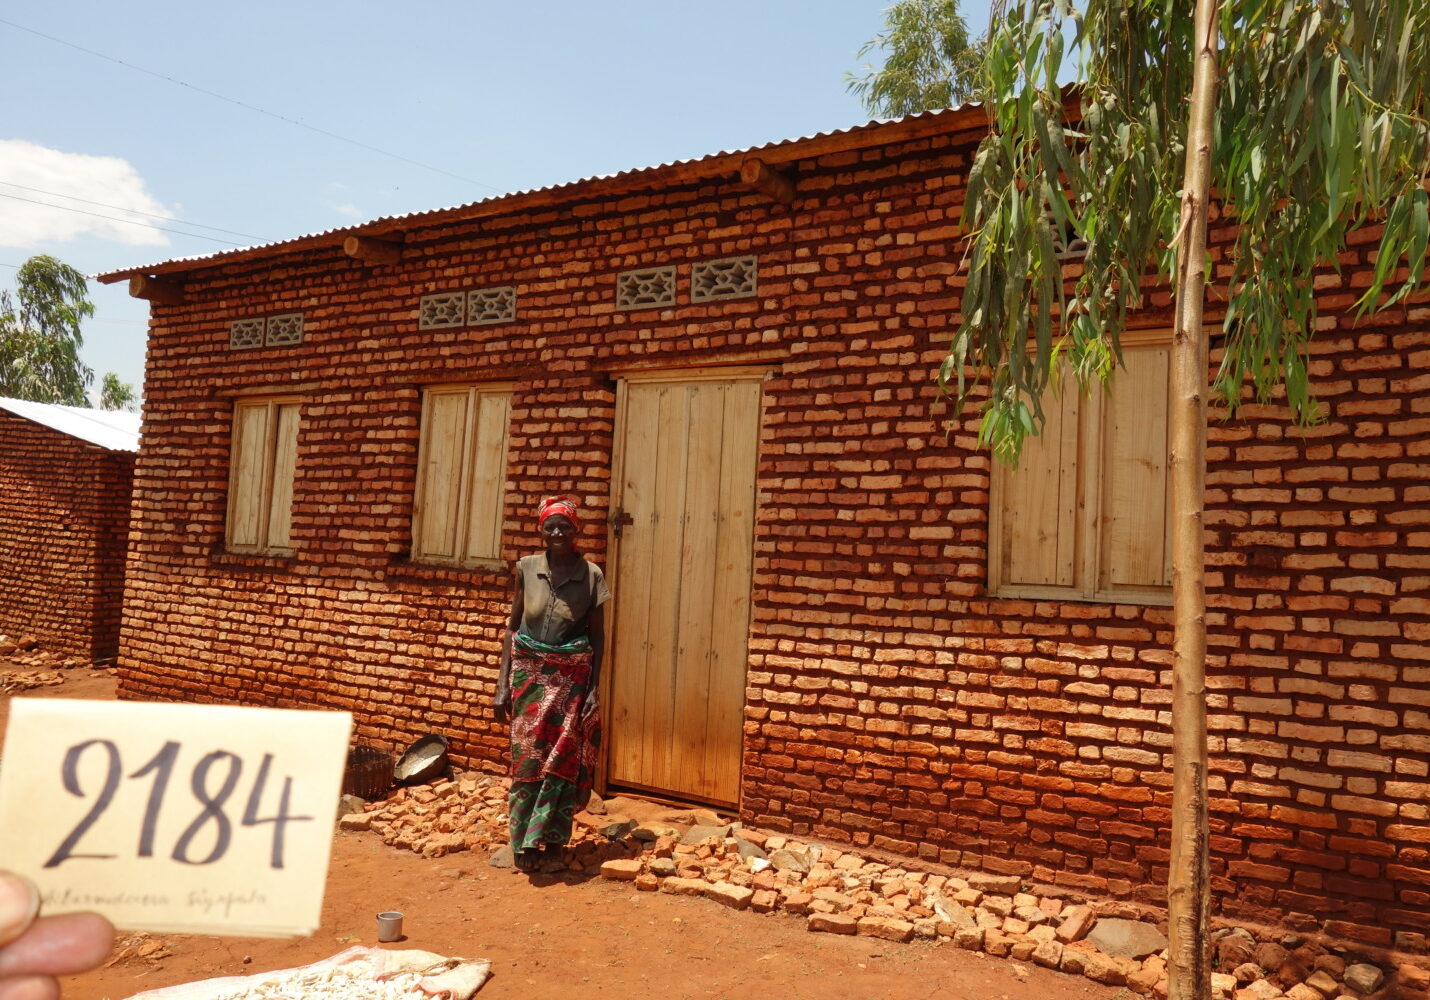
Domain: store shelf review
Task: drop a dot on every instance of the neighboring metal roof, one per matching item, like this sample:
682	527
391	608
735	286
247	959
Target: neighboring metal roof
923	123
114	430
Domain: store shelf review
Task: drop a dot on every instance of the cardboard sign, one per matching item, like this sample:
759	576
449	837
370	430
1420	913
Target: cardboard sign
190	818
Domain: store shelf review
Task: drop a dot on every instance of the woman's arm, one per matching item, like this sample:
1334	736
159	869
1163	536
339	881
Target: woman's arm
502	702
596	629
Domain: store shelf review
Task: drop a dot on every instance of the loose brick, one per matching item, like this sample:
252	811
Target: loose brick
678	886
887	928
734	896
764	901
834	923
1048	954
970	938
624	869
1075	923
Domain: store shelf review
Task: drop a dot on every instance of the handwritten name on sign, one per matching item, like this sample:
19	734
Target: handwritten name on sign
189	818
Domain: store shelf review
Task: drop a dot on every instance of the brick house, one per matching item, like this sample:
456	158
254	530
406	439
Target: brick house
66	476
831	613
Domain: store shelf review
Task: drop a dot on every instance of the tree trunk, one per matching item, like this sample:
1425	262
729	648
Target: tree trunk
1187	886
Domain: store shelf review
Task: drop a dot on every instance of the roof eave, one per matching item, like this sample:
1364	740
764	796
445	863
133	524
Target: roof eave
909	128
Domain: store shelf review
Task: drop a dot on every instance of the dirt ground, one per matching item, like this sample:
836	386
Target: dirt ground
560	935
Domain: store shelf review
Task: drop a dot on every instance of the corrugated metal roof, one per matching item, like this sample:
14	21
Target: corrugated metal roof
437	215
113	430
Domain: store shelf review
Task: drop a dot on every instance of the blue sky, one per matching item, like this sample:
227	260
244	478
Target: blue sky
488	97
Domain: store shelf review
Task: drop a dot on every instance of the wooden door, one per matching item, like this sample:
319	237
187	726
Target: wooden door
685	488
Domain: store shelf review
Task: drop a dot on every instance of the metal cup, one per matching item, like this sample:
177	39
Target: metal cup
389	926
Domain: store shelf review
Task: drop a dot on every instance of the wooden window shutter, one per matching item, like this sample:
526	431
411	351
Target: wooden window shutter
248	460
262	464
1133	491
1086	514
1039	537
461	474
284	417
488	476
439	475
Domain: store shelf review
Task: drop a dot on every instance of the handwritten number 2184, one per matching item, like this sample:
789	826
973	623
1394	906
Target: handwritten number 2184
211	813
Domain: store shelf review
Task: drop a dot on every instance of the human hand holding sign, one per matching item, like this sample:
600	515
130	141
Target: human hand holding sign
34	949
165	817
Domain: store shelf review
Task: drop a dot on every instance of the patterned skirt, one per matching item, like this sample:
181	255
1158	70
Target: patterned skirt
553	752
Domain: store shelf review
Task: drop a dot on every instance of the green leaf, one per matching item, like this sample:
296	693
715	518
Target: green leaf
40	334
1322	126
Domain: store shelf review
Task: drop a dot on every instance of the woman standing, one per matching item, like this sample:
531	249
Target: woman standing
551	663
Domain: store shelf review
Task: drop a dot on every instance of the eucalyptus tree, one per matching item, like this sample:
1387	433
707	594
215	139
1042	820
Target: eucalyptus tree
116	394
929	61
40	339
40	334
1303	120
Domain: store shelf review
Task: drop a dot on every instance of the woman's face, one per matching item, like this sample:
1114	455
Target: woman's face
559	534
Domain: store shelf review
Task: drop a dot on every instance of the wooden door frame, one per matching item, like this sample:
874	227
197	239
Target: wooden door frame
674	376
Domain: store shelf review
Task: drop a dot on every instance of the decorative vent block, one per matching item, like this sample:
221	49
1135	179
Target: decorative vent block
285	329
1073	249
245	333
491	305
437	311
730	278
1068	243
644	289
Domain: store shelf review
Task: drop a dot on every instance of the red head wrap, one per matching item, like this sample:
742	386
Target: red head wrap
554	506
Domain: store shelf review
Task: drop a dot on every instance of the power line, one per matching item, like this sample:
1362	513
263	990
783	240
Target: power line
132	211
115	218
249	107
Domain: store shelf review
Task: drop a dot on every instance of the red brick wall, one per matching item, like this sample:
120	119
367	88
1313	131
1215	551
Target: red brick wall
890	702
64	527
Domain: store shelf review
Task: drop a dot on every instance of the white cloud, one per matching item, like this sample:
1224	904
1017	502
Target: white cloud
28	169
349	210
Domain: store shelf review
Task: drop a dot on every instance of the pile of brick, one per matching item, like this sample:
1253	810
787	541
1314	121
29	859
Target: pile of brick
138	946
469	813
14	679
26	651
841	892
25	666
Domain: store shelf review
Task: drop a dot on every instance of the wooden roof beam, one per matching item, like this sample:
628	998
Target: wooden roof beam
373	251
161	291
758	174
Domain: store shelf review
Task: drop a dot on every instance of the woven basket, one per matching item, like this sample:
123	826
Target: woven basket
369	773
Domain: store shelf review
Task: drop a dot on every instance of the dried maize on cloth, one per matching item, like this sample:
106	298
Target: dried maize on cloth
356	974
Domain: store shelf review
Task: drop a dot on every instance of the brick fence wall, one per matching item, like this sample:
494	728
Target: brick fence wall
890	702
64	527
